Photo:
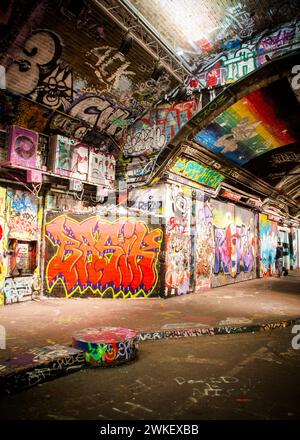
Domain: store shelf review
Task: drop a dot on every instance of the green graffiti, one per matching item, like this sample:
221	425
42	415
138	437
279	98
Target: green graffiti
197	172
96	354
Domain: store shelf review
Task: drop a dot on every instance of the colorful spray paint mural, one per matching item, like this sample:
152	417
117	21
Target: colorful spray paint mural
197	172
268	235
239	58
155	129
234	236
178	240
248	128
90	255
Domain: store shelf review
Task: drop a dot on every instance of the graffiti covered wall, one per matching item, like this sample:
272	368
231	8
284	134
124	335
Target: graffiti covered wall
268	236
204	244
234	237
2	242
178	240
20	226
90	256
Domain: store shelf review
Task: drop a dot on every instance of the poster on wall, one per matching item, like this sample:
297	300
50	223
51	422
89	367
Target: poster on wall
69	158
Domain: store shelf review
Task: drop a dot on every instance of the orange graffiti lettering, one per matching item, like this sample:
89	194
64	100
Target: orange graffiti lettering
98	255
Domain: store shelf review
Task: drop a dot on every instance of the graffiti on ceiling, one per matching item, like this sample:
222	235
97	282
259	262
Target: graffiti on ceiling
195	29
276	164
262	121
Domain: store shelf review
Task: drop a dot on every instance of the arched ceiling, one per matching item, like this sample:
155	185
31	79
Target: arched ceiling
262	121
241	134
196	29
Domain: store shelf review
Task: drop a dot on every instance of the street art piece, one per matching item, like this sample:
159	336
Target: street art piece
90	255
22	215
68	158
204	244
234	244
197	172
268	236
148	199
145	141
22	147
178	240
238	58
101	113
275	164
154	130
178	264
102	167
18	289
119	66
249	128
107	346
41	78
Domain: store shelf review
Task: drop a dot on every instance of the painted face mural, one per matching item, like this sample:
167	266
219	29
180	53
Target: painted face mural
97	256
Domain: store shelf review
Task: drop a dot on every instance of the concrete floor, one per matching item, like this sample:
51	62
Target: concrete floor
49	320
246	376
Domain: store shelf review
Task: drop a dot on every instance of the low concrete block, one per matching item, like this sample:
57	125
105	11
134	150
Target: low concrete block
107	346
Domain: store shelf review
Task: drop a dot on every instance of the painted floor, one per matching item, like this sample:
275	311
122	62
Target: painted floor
246	376
52	321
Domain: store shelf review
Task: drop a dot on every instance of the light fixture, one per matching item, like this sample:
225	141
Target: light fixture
126	44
